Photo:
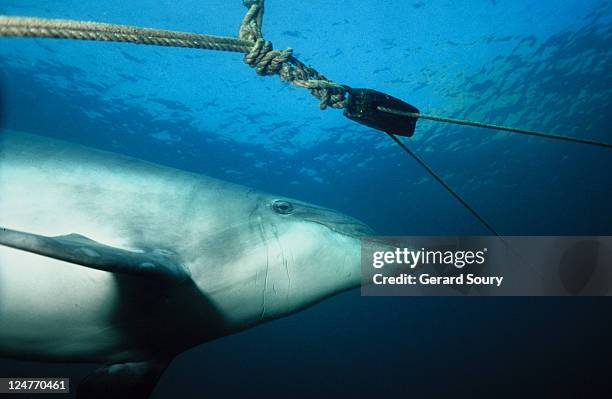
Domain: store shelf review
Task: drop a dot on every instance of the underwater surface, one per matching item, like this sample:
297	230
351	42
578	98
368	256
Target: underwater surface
542	65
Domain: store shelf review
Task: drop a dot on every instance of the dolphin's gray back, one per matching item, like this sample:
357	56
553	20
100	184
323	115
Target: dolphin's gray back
135	200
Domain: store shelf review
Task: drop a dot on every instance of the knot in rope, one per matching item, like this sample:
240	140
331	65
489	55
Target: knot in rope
265	59
268	61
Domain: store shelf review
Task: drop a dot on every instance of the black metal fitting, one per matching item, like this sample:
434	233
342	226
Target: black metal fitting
363	107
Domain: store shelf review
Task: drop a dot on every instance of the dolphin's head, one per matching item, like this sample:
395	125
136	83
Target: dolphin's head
312	252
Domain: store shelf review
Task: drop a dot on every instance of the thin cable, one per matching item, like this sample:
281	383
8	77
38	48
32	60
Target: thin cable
443	183
496	127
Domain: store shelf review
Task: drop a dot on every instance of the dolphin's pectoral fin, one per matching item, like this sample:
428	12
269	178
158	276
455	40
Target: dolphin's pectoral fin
74	248
127	380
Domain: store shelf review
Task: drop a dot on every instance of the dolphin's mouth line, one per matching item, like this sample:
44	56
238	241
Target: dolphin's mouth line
359	230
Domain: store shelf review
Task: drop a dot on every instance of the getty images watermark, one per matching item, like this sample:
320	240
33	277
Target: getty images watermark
486	266
413	258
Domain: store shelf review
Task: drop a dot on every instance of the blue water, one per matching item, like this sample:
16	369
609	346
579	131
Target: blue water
542	65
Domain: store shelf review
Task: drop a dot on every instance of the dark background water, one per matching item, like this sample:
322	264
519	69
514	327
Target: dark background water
543	65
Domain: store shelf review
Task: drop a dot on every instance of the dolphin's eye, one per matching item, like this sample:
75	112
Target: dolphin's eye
282	207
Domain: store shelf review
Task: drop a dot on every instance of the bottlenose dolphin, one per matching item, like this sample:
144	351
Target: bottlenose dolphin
117	261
